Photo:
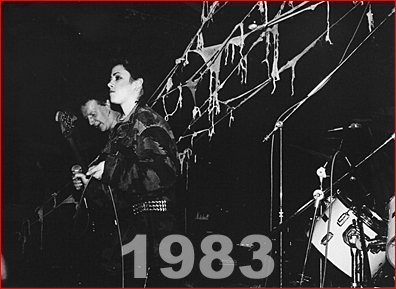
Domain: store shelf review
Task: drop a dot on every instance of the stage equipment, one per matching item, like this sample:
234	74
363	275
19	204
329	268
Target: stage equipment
344	236
390	244
327	190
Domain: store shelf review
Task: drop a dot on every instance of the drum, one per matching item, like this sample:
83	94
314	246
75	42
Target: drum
343	232
390	241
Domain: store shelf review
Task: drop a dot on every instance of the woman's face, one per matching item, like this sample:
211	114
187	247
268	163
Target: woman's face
121	88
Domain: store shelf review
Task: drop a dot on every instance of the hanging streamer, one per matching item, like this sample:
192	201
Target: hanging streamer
169	84
263	8
27	221
196	112
207	53
275	71
200	41
328	23
185	155
54	199
370	19
40	213
205	11
231	119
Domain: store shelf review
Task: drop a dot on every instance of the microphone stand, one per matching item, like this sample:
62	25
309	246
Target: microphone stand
279	124
318	196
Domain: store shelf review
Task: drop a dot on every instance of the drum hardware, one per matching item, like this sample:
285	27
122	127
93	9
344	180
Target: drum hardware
352	239
354	235
344	235
283	223
303	279
327	190
357	276
366	271
360	266
390	241
377	244
351	236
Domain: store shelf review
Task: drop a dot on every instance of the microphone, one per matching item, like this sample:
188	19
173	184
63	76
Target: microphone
76	169
58	116
353	126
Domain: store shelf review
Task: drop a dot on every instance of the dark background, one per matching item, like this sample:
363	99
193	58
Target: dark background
54	53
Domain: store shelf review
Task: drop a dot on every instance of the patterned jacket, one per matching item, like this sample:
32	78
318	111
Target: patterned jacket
141	157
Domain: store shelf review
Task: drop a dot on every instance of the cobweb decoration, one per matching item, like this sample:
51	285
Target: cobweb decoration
208	11
212	56
233	52
178	105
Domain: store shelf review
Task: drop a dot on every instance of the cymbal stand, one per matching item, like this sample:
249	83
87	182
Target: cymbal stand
318	196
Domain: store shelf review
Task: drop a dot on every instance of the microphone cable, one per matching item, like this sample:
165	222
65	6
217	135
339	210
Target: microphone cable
329	220
119	237
116	219
78	206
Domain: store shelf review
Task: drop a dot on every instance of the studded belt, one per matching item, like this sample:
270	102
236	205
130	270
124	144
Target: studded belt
152	206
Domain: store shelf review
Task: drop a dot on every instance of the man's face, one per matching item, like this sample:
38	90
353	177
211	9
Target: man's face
97	115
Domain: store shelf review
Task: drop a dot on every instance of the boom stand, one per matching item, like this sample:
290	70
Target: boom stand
278	126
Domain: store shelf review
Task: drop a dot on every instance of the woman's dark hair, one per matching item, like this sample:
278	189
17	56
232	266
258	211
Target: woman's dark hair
101	94
137	70
134	67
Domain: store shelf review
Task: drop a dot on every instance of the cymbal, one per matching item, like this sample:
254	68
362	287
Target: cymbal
380	124
381	119
314	153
